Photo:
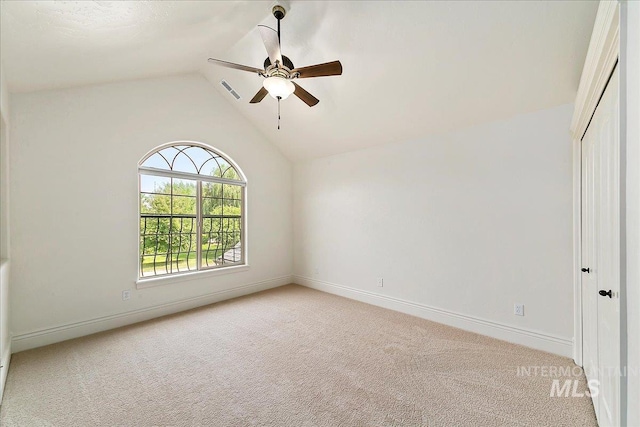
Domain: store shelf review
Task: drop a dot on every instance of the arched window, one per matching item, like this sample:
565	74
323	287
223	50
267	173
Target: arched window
191	210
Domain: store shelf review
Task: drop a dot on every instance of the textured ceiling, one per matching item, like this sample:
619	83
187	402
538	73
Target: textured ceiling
52	44
411	69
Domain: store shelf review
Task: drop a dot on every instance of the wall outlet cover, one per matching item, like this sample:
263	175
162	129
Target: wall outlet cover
518	309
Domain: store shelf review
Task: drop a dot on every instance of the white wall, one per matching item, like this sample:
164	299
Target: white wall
630	58
74	157
4	95
5	337
460	226
4	166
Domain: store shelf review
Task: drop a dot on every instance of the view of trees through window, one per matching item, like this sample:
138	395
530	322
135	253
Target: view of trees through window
189	224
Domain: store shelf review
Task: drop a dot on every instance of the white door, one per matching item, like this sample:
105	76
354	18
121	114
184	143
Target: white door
589	263
601	254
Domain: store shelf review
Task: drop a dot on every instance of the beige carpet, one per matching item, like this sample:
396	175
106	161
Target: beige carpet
290	356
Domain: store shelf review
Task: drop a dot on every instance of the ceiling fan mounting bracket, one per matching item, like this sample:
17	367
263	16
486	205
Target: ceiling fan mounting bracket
278	11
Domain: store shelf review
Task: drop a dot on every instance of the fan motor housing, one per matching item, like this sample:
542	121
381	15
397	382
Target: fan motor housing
285	61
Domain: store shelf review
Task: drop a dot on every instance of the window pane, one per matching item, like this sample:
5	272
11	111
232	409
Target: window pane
184	224
221	224
210	204
155	204
184	261
184	163
211	240
219	197
155	184
212	165
169	153
184	205
224	170
184	187
232	198
210	189
157	161
201	157
154	234
153	265
229	172
211	198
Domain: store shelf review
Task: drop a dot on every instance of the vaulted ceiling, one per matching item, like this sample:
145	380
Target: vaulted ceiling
411	69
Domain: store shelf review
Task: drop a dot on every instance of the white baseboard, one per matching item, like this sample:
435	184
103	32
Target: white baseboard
529	338
60	333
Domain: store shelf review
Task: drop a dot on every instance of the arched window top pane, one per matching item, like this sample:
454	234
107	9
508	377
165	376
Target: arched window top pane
193	159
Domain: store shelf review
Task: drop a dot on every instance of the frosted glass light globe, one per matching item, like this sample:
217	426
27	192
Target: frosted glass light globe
278	87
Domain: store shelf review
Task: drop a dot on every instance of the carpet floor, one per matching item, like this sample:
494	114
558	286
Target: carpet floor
289	356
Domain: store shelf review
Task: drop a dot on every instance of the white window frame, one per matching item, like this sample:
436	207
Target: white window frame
201	271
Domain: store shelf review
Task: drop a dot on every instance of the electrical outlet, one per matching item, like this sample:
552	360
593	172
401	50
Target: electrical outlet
518	309
316	271
380	281
126	294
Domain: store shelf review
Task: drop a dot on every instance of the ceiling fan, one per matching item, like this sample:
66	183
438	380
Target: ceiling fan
279	72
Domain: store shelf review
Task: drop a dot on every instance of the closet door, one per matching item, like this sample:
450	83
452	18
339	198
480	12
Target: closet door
589	262
601	254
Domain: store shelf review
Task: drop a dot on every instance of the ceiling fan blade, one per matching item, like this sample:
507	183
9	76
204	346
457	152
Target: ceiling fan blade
305	96
259	96
271	43
321	70
236	66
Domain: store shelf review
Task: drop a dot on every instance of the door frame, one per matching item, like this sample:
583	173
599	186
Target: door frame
602	56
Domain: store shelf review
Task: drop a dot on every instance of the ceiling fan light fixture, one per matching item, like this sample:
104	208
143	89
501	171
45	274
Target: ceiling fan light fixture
278	87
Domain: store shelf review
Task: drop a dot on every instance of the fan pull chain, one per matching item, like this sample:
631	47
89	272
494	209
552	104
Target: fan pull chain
279	113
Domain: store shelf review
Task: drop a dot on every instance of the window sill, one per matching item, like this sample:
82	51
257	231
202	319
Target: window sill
184	277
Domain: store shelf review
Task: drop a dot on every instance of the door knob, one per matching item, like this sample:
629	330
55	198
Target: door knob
585	270
606	293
